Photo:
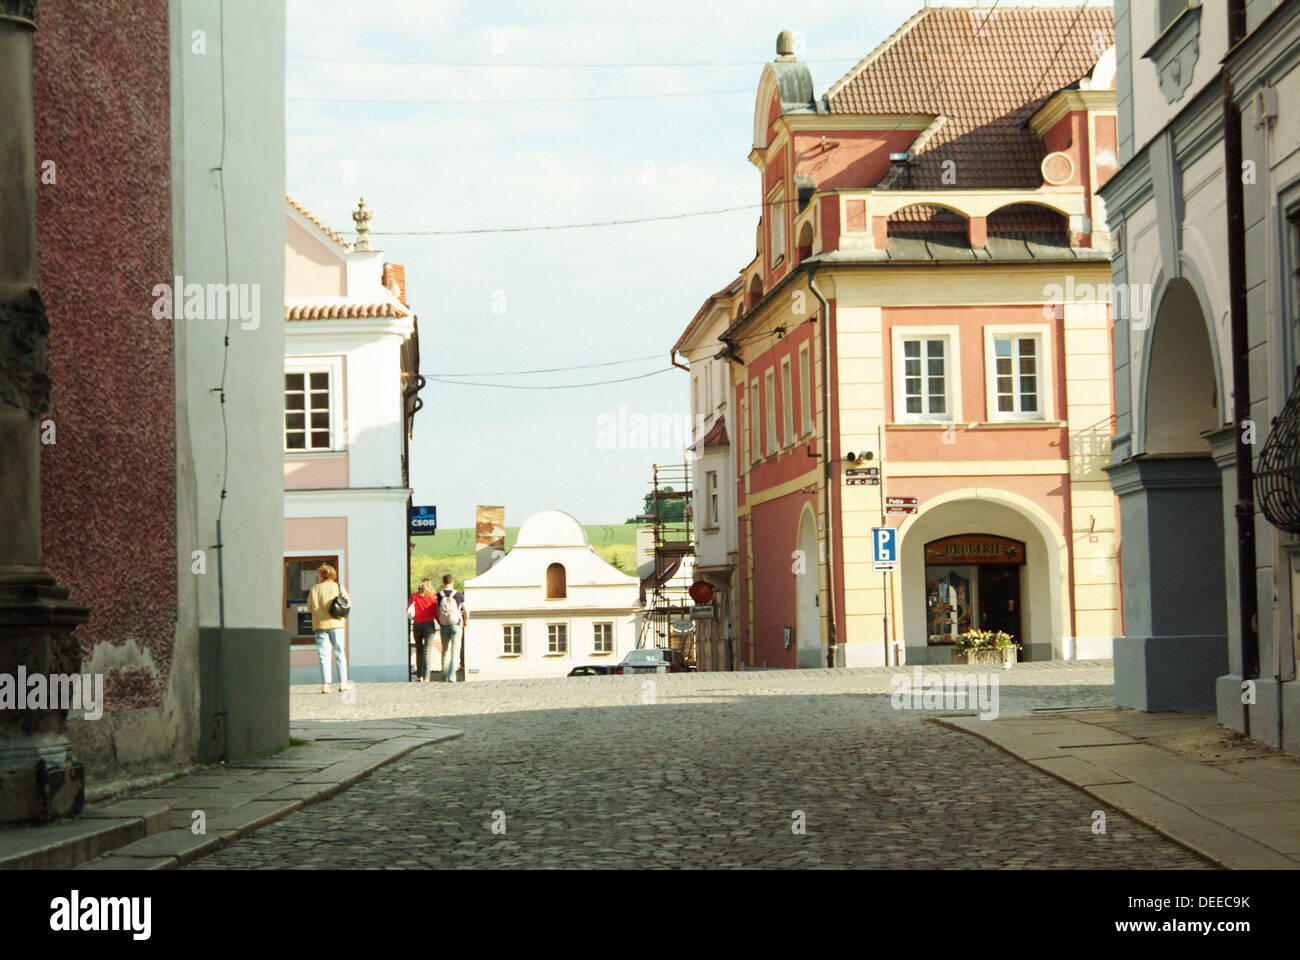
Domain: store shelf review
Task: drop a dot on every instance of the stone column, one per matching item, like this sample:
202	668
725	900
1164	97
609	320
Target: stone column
40	780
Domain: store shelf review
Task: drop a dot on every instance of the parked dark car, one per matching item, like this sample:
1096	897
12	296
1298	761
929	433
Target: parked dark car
594	670
653	660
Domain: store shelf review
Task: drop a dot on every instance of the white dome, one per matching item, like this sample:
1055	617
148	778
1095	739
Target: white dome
551	528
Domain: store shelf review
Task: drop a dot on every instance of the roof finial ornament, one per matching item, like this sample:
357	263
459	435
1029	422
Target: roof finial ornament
785	44
362	217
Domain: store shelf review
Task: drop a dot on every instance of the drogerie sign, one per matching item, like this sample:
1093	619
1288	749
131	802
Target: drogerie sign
974	548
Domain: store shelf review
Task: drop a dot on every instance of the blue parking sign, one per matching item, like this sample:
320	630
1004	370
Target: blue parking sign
884	545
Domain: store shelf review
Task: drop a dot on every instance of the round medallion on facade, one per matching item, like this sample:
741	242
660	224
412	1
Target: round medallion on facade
1057	168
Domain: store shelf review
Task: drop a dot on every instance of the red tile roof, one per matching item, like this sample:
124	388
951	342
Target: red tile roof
343	311
985	74
324	229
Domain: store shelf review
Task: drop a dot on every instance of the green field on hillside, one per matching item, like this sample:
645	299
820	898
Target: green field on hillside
452	550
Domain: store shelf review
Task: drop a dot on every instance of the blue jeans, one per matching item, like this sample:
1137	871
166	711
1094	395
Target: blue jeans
324	640
451	634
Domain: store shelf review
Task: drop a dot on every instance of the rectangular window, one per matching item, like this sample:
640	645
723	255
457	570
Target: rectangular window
769	402
557	638
708	390
755	438
512	639
603	641
805	390
787	404
711	493
925	378
1016	385
776	221
307	415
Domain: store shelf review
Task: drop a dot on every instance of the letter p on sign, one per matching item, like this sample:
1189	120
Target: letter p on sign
884	545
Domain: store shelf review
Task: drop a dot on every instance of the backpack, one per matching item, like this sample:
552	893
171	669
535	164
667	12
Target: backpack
341	605
448	608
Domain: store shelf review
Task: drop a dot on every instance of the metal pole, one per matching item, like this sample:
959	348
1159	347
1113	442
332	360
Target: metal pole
1245	472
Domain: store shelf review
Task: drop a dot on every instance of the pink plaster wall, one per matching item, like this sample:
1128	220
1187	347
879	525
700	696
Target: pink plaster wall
108	485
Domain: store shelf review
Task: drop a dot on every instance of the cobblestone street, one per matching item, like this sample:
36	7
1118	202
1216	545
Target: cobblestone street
709	774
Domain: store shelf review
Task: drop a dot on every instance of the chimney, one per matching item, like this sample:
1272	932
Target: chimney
395	280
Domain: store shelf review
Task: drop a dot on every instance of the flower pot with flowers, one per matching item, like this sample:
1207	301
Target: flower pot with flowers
985	646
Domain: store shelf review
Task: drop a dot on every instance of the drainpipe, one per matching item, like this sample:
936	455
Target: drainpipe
1245	470
826	461
672	358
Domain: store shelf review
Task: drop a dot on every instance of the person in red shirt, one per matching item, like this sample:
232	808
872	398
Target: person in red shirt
423	610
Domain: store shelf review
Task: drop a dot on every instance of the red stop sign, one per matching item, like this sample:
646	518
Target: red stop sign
701	592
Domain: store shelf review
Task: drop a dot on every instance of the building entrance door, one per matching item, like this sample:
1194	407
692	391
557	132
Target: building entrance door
999	603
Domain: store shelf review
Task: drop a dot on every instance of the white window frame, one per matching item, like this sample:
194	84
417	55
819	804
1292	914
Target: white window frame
805	390
567	646
755	434
769	408
595	649
711	497
776	225
505	652
307	366
787	403
1042	332
952	373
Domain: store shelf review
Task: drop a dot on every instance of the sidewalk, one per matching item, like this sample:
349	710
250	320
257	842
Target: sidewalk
155	829
1231	800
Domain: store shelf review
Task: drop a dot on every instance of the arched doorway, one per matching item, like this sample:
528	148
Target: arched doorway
808	632
1172	514
977	559
1182	395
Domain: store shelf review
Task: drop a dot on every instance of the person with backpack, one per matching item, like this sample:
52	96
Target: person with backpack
329	606
422	609
452	617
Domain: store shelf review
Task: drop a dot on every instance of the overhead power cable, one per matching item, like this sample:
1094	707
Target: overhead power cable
559	65
584	366
577	226
553	386
467	102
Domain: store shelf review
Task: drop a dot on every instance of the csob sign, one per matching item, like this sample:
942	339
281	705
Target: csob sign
423	521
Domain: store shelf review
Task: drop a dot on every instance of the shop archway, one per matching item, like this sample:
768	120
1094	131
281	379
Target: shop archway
1033	577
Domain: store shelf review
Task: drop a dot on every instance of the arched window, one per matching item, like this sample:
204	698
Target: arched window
556	587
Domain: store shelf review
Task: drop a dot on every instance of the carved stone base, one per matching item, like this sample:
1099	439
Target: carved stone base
40	779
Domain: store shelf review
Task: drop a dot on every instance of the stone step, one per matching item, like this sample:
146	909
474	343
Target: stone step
97	831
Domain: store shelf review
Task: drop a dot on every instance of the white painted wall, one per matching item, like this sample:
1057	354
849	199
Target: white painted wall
253	180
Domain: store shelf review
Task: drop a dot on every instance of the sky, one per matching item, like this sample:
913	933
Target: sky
639	110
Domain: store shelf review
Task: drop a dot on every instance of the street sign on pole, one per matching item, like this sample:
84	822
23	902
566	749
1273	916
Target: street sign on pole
884	548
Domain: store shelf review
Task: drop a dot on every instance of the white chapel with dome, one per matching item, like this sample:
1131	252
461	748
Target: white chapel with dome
550	604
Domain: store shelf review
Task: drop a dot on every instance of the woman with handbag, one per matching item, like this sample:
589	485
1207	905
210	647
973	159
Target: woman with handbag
422	610
329	606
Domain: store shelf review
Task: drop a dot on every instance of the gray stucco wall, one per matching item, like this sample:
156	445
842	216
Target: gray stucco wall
256	665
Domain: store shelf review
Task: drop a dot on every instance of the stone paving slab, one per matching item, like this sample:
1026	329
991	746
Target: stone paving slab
154	829
60	846
1234	821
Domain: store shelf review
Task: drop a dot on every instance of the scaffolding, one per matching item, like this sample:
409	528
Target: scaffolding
666	622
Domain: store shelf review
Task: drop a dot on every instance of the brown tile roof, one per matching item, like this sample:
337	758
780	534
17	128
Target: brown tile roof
324	229
984	78
343	311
